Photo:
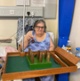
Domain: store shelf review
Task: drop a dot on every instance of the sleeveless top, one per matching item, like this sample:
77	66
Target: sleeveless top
39	46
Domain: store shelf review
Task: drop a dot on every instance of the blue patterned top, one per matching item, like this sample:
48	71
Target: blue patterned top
39	46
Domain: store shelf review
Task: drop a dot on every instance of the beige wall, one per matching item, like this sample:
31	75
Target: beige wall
7	2
75	31
75	38
9	26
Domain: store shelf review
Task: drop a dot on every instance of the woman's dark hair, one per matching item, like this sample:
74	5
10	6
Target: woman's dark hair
40	21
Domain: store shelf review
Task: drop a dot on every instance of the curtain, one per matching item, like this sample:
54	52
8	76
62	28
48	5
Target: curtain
66	10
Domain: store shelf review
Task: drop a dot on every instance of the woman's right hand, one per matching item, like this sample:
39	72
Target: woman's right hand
29	36
27	39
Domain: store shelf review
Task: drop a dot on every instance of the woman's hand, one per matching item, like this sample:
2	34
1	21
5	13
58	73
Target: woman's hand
28	37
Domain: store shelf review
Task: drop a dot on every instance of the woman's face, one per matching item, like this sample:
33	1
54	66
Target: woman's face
39	29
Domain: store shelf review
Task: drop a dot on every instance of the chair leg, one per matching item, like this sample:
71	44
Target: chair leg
37	79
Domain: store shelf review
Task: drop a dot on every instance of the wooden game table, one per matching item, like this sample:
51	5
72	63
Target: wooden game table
16	66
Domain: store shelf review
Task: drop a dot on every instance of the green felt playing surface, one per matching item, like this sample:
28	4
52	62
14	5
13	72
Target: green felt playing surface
19	64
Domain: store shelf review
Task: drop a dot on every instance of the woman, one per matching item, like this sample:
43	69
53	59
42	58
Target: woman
38	39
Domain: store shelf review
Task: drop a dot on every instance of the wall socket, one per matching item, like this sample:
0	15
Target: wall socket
12	12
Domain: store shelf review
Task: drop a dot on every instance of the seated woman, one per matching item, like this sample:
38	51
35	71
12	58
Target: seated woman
38	39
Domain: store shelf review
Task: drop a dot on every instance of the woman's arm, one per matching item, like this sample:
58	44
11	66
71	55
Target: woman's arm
27	38
51	45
